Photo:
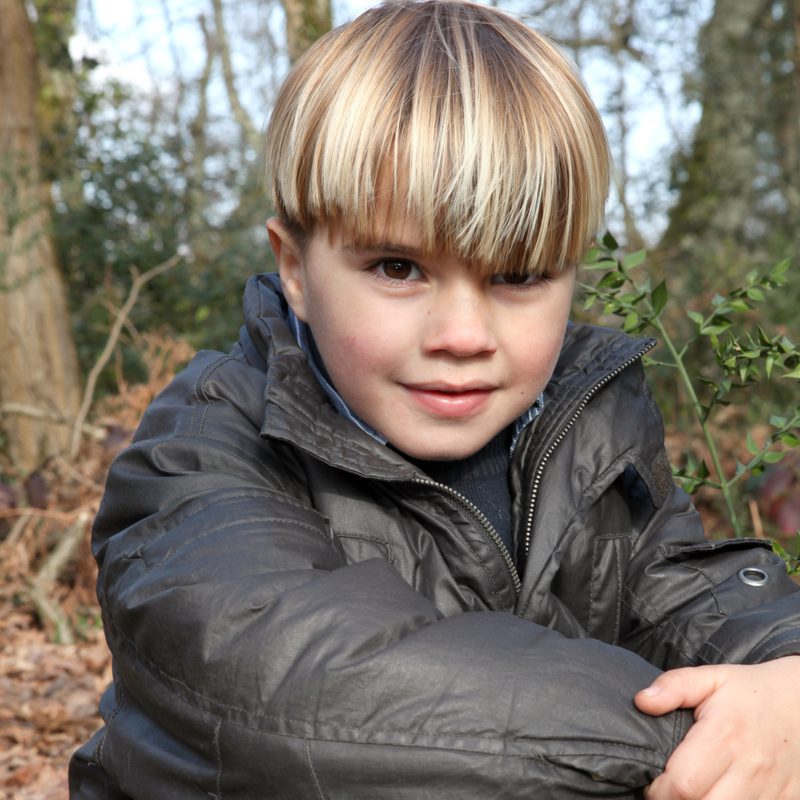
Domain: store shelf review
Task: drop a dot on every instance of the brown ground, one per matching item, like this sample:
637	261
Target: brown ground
49	690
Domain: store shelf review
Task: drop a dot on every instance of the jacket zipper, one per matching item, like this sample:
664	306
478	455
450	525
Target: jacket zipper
537	478
482	522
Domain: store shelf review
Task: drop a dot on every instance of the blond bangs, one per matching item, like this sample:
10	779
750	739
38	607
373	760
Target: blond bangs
455	115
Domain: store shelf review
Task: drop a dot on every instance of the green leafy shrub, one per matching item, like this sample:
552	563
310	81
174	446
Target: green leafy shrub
743	353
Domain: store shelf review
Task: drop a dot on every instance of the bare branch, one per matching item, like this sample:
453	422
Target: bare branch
25	410
241	116
139	281
41	586
44	513
197	130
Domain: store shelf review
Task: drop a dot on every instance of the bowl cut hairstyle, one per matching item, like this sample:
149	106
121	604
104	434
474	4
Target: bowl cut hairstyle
453	114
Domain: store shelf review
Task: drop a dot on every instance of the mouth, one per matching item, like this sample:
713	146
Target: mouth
449	400
451	388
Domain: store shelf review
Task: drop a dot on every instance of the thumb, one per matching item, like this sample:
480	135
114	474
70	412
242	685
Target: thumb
679	688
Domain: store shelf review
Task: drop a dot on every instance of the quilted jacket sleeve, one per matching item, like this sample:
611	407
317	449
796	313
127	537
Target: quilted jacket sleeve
252	661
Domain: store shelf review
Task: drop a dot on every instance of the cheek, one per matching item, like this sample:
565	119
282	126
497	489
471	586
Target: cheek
350	350
536	354
368	337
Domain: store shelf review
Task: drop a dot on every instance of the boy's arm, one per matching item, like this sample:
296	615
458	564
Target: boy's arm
251	660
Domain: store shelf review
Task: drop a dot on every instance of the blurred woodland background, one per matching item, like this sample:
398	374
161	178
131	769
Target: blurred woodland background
132	209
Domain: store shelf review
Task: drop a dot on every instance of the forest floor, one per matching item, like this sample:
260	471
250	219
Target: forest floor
49	689
54	663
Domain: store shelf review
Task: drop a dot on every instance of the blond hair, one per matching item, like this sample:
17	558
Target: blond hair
457	115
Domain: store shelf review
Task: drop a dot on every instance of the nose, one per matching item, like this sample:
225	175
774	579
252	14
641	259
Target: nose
460	321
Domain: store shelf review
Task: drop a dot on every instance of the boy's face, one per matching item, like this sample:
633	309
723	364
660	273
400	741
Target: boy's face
432	356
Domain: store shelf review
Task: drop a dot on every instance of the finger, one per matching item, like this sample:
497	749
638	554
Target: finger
679	688
695	768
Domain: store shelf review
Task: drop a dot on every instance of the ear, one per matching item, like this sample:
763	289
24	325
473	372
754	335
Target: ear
291	265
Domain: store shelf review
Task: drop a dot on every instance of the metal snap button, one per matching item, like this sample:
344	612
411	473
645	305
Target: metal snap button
753	576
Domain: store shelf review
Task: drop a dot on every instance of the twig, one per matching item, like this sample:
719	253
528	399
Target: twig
41	585
17	529
755	515
91	381
24	410
249	132
51	612
61	516
66	467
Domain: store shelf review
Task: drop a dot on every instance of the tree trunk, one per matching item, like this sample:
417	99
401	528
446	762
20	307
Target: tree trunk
306	21
38	365
726	217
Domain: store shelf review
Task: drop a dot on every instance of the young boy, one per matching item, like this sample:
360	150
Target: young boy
416	535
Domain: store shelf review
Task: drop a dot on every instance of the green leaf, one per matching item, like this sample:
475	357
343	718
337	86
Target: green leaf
795	373
754	293
594	254
773	456
763	337
659	297
634	259
609	241
778	272
716	325
695	317
602	262
751	446
611	280
631	322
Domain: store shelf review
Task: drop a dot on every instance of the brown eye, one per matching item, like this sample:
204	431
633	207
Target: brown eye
398	269
515	279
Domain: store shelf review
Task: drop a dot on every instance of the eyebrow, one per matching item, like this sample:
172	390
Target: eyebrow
385	247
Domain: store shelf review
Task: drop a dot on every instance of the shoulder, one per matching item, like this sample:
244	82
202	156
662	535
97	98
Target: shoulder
211	382
210	421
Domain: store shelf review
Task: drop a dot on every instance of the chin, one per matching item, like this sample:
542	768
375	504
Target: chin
445	452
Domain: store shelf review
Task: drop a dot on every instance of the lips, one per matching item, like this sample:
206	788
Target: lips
446	400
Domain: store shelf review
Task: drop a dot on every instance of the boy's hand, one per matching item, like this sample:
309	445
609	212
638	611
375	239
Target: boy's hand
745	743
